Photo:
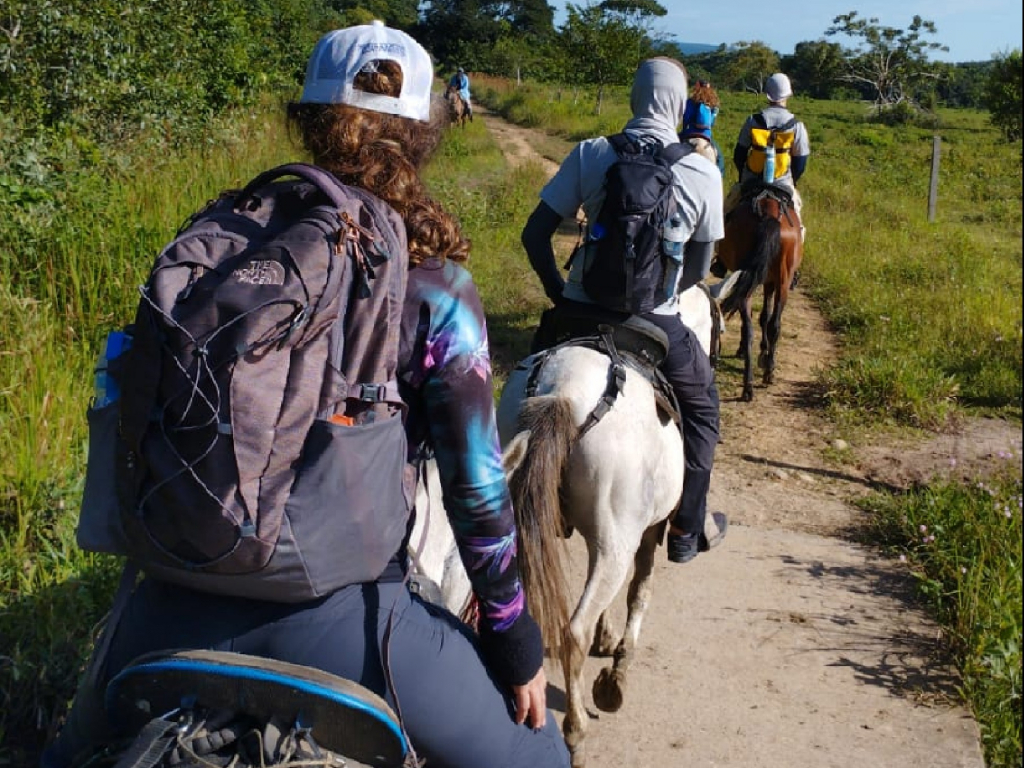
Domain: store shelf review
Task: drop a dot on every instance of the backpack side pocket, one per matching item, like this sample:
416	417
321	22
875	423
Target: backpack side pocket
99	522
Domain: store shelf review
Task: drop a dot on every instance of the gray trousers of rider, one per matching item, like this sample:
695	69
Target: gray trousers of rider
689	372
455	712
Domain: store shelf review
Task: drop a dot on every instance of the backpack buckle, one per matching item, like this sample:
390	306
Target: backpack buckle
372	393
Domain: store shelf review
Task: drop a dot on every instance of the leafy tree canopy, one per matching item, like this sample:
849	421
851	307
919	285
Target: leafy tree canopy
1003	93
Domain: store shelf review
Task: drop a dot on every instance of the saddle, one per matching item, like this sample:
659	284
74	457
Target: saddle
575	320
754	190
203	704
626	339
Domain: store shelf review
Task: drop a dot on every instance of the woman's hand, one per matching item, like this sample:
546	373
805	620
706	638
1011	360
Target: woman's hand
531	701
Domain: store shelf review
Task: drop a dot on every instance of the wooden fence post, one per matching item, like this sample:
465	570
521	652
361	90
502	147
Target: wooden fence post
933	190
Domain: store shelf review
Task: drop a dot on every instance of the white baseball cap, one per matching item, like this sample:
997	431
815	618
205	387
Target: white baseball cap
340	55
778	87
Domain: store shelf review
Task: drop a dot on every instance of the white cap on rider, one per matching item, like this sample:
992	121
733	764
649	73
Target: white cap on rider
340	55
778	87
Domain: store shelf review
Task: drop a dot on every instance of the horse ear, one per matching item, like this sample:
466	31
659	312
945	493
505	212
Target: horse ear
515	452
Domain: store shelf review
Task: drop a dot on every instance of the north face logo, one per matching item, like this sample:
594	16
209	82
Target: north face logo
264	272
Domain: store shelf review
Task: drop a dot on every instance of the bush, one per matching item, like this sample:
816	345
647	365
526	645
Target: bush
112	67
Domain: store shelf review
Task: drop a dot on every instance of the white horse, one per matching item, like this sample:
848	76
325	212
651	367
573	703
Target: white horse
616	485
437	570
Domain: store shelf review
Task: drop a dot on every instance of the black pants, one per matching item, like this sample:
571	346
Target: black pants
456	714
689	371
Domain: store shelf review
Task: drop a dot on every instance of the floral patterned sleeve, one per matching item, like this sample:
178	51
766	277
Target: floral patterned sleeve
447	370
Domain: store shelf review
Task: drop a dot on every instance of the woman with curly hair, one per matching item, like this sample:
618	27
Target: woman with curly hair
698	119
465	701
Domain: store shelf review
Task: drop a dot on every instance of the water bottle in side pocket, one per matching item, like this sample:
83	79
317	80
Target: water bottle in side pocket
107	389
672	236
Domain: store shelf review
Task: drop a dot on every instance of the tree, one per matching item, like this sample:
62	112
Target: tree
1003	94
602	45
889	61
752	65
815	67
401	14
963	84
465	32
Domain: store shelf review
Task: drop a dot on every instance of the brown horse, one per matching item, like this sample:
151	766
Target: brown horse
458	113
762	241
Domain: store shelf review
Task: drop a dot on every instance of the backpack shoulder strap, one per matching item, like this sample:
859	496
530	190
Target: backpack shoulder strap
786	126
759	120
673	153
622	144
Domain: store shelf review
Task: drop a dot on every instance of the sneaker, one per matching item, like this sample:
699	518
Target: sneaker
682	547
721	525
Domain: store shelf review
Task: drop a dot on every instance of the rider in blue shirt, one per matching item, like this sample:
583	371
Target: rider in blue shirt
460	82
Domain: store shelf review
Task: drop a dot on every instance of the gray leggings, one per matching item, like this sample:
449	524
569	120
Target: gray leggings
456	714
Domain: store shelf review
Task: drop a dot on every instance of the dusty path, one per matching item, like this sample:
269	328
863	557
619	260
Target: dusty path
789	646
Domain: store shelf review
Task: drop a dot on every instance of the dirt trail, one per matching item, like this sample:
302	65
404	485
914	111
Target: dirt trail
789	646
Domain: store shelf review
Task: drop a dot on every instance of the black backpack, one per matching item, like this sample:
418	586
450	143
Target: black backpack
625	267
257	445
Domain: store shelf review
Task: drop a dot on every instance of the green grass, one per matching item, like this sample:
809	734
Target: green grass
963	543
930	316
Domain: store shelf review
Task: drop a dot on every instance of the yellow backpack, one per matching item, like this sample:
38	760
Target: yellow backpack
781	137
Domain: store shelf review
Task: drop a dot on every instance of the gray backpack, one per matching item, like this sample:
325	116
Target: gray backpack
257	447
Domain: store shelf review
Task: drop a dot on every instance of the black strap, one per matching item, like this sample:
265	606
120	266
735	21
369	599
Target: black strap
616	382
762	122
623	144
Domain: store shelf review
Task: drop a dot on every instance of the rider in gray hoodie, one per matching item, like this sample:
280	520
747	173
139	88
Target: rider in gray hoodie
657	100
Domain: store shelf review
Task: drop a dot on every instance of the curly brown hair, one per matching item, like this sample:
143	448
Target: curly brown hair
384	154
703	93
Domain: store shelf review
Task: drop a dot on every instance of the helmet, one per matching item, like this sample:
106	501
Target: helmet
461	71
778	87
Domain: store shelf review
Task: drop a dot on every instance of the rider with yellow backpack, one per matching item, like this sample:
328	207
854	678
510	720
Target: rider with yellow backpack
772	147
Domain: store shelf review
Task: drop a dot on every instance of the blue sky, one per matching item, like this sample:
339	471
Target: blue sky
973	30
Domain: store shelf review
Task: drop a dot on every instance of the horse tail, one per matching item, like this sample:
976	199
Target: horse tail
755	269
535	485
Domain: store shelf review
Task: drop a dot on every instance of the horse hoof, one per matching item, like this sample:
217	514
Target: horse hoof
762	361
748	394
608	690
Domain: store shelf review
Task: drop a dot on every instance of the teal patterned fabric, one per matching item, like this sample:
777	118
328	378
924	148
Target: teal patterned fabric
446	379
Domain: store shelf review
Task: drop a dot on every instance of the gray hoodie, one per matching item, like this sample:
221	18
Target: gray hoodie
657	100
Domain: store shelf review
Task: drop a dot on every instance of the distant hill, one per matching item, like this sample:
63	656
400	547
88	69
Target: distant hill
692	48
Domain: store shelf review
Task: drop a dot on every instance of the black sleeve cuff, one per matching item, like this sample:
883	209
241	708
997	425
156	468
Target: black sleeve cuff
516	654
